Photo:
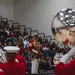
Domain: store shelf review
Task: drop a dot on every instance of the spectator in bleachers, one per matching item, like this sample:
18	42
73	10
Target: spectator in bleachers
7	30
18	41
12	27
43	65
46	40
26	42
5	33
53	45
40	40
14	43
45	50
50	53
29	56
11	34
22	37
29	66
1	47
24	32
17	32
26	55
6	24
26	36
21	49
5	42
1	26
49	62
9	43
2	39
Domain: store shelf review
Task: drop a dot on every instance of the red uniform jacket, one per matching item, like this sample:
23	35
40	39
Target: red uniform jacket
31	46
2	73
65	69
14	68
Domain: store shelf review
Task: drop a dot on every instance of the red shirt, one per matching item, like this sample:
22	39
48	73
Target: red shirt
11	35
65	69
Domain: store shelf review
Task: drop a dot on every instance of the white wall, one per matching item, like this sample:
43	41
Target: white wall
7	9
38	14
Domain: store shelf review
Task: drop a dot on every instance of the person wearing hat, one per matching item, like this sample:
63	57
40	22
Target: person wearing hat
34	47
15	64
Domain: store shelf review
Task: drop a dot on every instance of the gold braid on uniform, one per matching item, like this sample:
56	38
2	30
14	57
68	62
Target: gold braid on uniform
36	47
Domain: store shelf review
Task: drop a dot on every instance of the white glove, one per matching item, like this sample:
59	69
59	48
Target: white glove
33	50
71	53
67	56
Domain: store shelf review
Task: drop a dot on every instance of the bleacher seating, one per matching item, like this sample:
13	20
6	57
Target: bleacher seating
31	32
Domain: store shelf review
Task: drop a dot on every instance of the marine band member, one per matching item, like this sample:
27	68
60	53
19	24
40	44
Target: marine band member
34	46
12	66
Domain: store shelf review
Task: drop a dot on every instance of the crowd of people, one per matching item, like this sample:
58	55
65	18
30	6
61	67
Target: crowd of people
13	36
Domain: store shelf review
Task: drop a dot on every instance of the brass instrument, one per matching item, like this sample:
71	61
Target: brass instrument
35	51
63	27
